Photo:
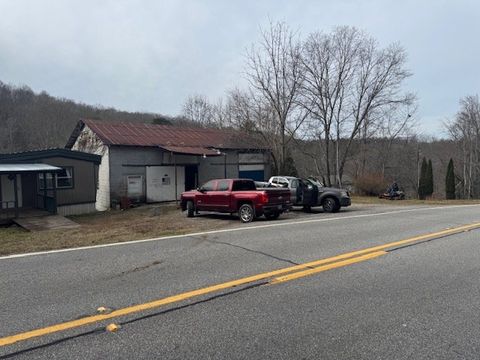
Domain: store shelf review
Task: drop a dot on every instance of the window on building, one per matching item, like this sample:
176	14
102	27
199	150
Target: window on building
65	178
49	181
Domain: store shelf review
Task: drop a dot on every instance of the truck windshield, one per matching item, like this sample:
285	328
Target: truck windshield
243	185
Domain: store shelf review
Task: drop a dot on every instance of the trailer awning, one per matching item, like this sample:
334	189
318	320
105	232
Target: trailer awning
190	150
21	168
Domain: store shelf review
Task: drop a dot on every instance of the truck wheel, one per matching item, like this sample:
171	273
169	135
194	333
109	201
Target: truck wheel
190	209
246	213
330	205
272	216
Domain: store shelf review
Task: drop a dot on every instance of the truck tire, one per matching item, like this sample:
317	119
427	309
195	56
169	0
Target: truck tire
330	205
190	209
272	216
246	213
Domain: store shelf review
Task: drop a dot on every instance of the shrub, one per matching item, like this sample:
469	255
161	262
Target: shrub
370	184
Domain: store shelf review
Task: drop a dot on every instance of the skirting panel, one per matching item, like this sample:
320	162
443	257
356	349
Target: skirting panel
77	209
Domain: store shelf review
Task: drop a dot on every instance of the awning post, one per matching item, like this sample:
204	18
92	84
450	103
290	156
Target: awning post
45	191
15	191
54	180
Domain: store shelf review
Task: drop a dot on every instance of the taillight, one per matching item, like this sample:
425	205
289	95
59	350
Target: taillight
264	198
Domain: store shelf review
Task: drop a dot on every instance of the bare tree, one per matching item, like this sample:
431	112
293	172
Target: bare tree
199	110
396	121
349	81
465	129
275	75
328	63
255	116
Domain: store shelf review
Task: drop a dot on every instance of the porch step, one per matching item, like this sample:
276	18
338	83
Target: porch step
50	222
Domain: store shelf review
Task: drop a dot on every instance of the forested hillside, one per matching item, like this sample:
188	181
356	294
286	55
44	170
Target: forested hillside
37	121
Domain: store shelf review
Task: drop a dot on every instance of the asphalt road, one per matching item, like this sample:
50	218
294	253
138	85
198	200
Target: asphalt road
418	301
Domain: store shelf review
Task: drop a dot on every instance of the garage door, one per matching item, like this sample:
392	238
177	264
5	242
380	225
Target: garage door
254	172
251	166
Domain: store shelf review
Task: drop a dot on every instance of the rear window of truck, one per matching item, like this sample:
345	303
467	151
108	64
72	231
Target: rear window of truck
243	185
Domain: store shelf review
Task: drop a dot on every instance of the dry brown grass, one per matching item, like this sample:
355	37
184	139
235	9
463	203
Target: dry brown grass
109	227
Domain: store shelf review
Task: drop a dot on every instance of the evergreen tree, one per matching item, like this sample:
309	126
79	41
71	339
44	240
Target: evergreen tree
422	183
450	181
429	179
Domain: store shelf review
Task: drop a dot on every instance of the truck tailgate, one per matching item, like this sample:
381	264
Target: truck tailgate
278	196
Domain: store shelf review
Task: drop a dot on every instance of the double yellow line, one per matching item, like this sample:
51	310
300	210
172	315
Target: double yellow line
275	277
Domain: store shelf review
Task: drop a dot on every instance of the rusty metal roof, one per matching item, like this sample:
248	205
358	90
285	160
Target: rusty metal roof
140	134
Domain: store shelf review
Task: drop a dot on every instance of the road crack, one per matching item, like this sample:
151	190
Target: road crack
259	252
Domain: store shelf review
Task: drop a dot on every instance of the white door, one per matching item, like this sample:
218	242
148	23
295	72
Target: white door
8	191
135	187
161	183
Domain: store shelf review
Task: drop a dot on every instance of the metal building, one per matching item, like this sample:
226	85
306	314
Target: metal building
153	163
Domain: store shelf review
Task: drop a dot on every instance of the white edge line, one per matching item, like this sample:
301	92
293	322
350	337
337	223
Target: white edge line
283	223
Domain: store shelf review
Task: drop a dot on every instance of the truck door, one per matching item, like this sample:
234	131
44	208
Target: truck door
203	198
221	196
309	194
296	192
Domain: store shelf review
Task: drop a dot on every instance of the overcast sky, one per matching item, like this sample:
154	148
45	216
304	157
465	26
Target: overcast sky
150	55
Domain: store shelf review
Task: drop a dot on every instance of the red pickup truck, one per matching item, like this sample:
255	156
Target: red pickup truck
236	196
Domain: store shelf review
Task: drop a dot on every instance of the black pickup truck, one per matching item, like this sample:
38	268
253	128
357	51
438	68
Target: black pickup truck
310	193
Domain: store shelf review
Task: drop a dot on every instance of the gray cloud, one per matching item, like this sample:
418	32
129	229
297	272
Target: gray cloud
150	55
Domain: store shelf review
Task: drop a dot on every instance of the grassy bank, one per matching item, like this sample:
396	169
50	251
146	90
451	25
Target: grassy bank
108	227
